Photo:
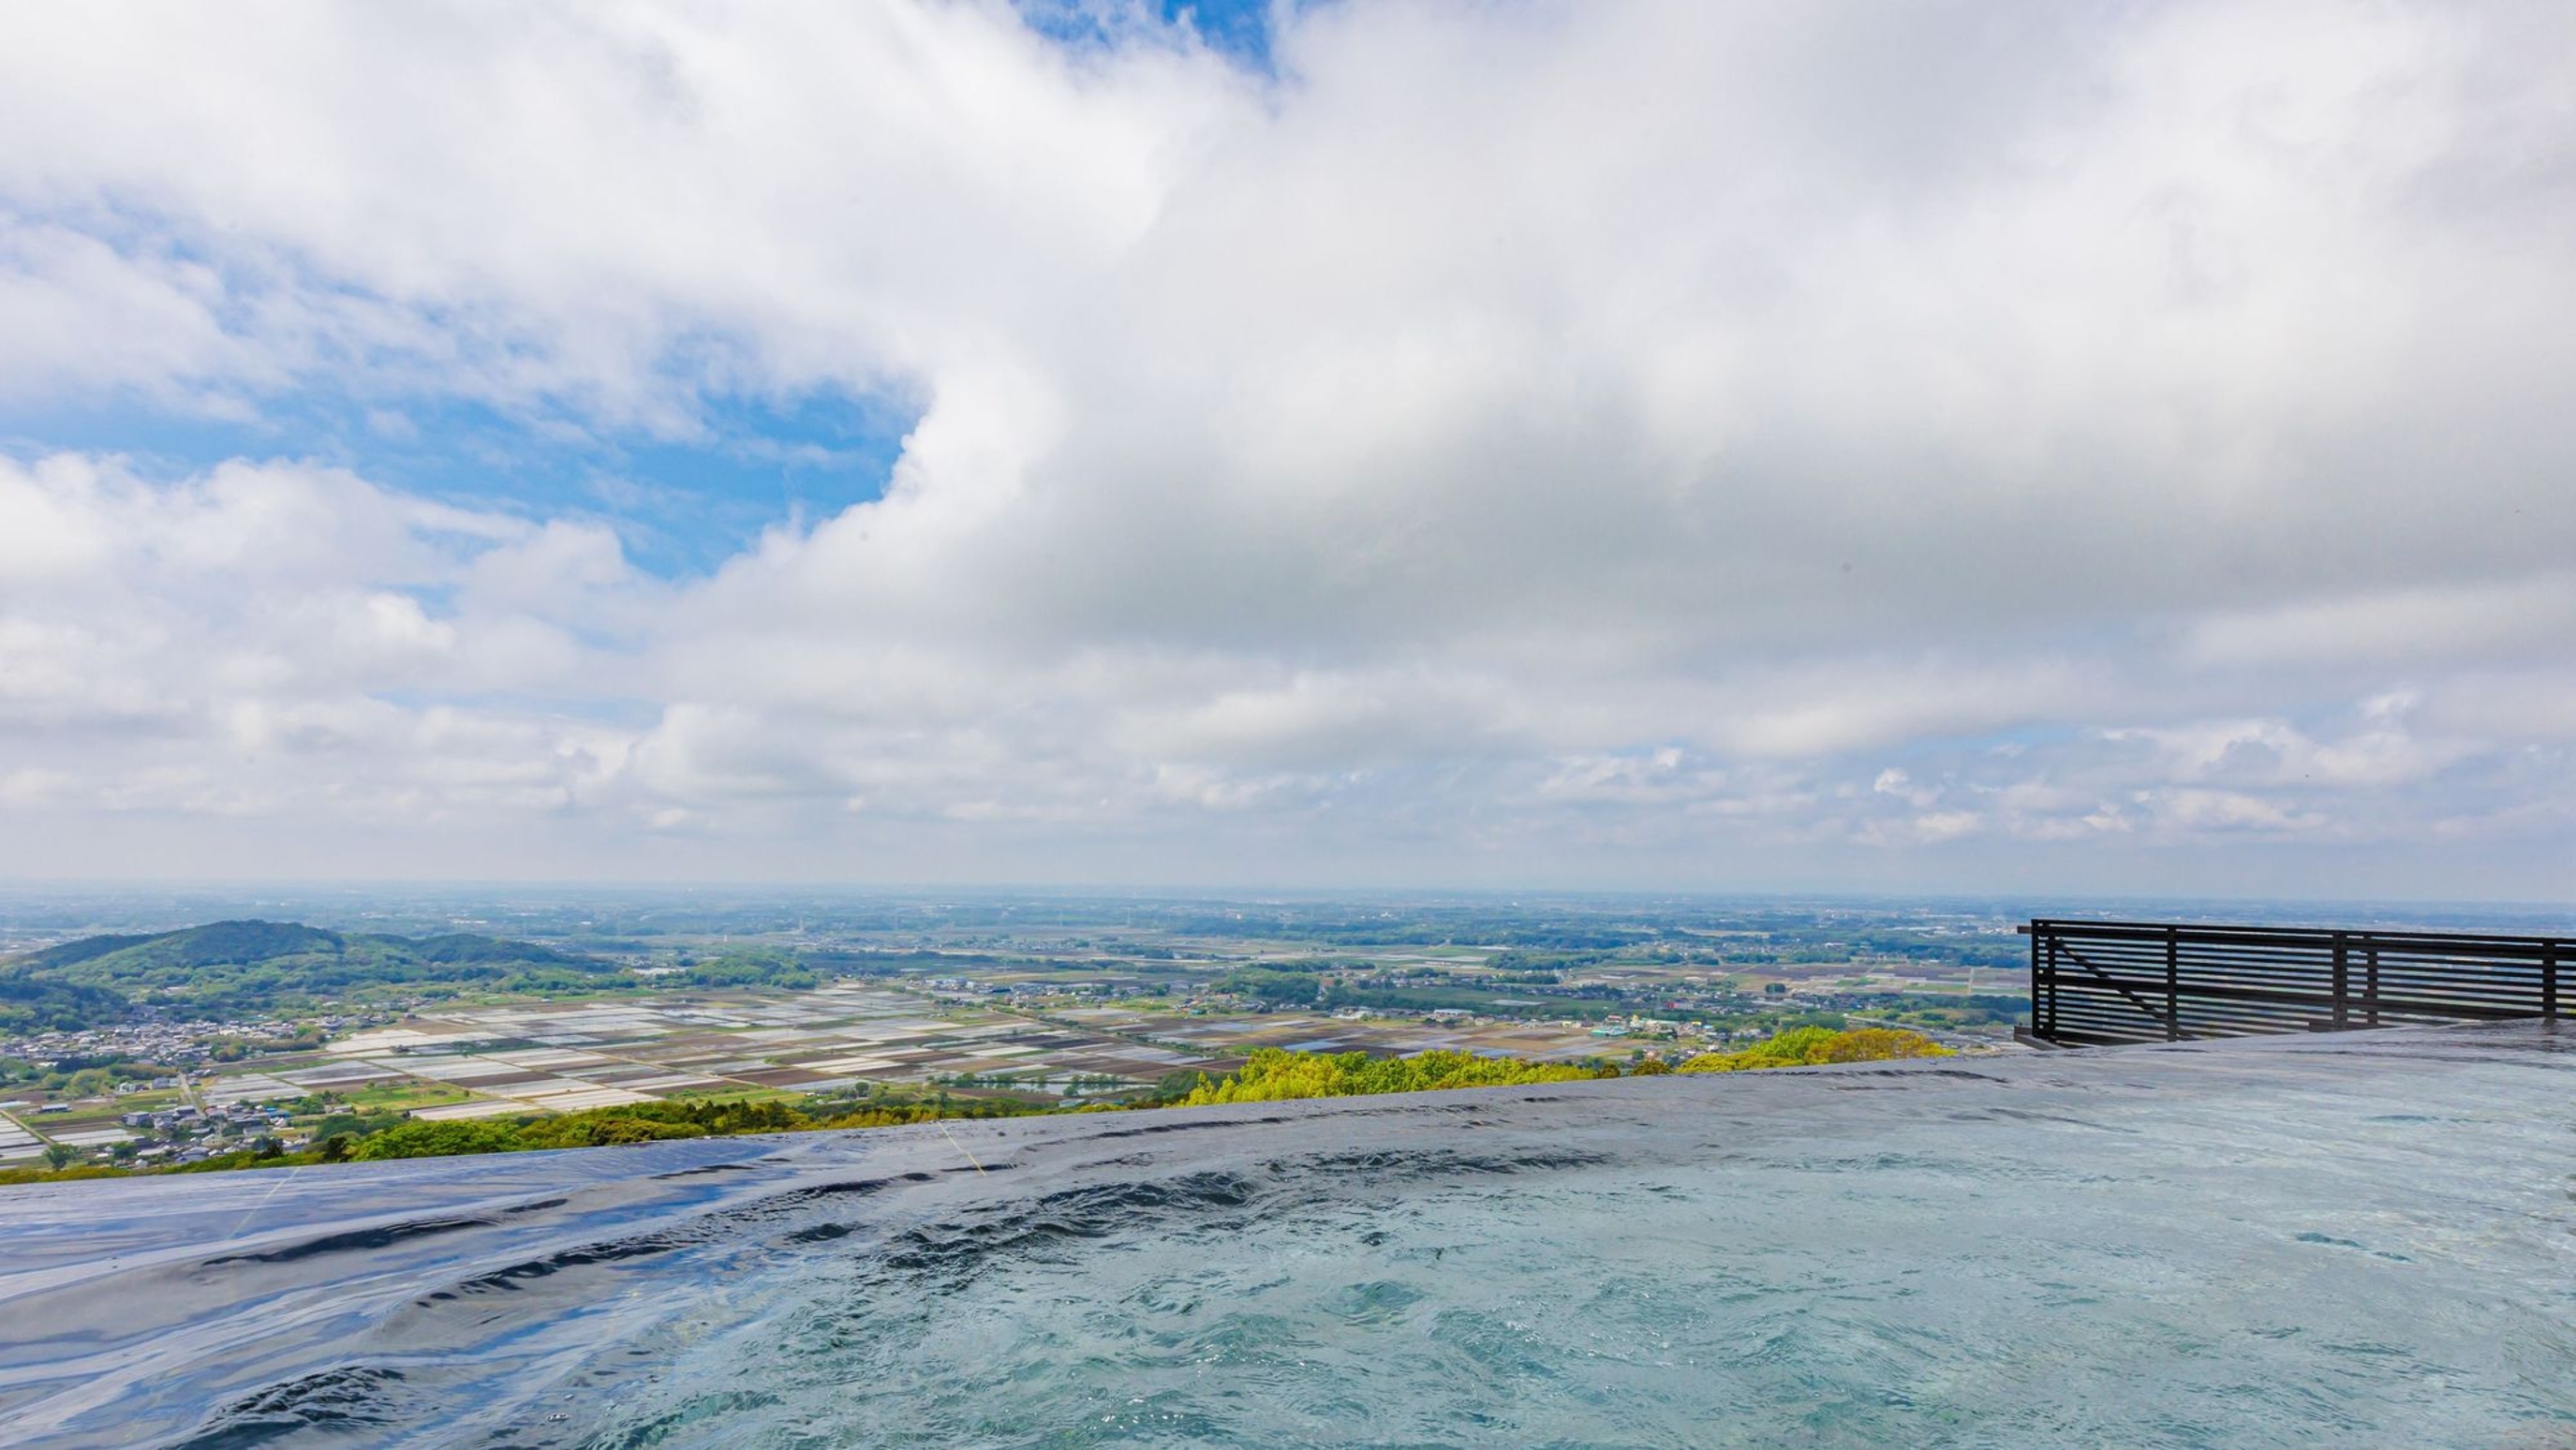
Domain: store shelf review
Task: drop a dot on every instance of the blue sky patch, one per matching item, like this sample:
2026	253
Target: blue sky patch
681	507
1237	28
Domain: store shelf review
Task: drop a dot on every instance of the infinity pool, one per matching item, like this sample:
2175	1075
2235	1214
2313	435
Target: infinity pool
2360	1239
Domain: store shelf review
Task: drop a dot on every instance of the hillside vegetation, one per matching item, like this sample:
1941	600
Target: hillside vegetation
233	967
29	1005
1816	1046
1274	1074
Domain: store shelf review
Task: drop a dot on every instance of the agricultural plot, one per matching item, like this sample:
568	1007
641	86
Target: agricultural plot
487	1061
17	1145
468	1062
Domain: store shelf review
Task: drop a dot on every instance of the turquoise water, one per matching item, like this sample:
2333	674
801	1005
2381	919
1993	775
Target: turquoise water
2362	1239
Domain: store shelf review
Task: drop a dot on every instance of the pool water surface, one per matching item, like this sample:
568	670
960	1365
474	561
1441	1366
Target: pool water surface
2334	1240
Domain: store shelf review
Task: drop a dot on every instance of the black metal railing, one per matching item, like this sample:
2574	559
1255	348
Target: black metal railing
2099	982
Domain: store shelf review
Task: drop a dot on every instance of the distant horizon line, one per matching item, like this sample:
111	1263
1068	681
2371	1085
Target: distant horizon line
1171	891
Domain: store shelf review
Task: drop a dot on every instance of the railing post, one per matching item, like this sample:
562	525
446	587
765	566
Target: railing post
2549	981
2038	1015
2173	984
2056	948
2342	987
2047	969
2370	985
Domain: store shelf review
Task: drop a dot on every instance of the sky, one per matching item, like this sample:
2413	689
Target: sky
2109	447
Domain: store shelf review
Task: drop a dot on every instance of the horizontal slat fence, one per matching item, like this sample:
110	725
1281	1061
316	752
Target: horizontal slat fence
2096	983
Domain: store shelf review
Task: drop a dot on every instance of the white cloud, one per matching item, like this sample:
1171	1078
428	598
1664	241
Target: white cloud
98	319
2225	810
2444	624
1512	430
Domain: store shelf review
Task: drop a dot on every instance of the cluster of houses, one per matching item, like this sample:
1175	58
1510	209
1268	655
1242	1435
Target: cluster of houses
948	989
190	1135
161	1040
147	1041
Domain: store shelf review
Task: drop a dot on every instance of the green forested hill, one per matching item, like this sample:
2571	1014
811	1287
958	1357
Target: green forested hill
78	951
29	1005
257	965
223	943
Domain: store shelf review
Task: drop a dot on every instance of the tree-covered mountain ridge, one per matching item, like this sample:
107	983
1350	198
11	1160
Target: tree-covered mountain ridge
251	965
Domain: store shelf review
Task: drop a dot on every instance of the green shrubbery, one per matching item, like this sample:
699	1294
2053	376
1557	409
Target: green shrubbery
1275	1073
439	1140
1813	1046
653	1122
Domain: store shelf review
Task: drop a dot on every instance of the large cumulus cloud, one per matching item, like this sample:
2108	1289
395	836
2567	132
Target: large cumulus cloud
1607	442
